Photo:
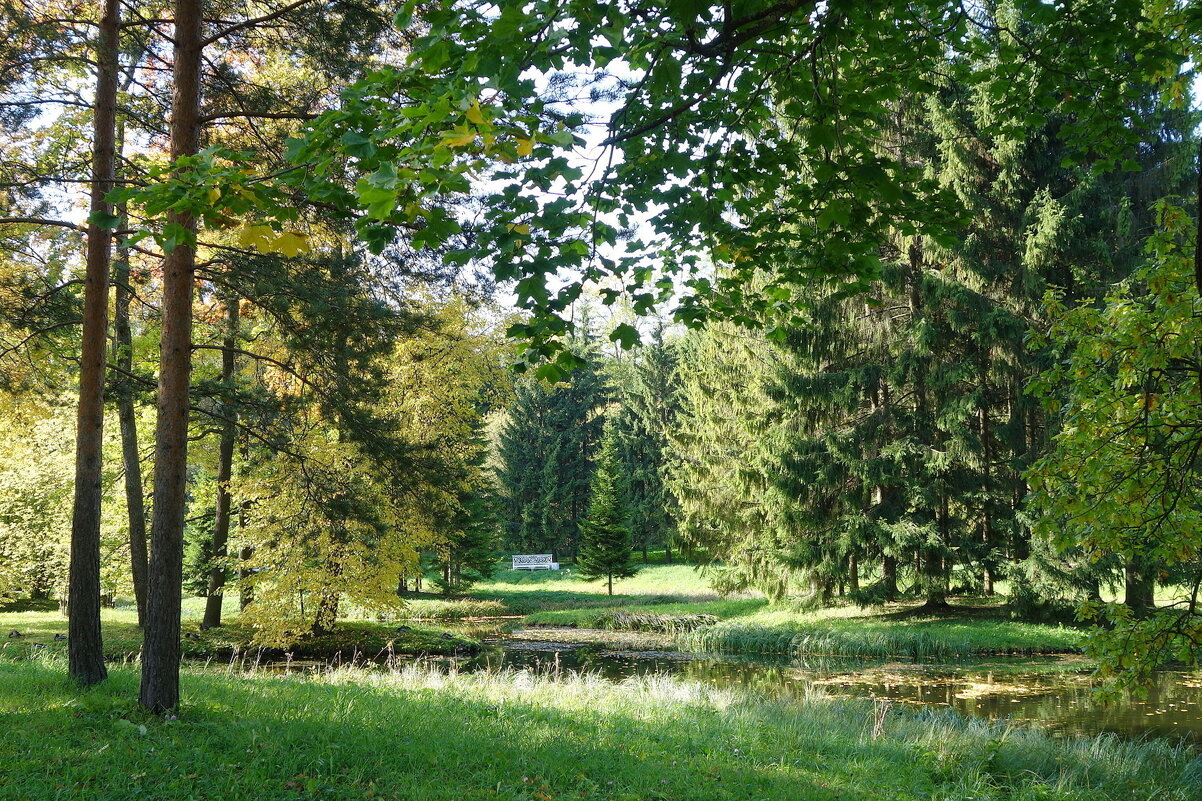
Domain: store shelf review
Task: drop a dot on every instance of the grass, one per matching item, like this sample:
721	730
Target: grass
675	599
428	736
527	591
895	631
123	639
669	617
451	609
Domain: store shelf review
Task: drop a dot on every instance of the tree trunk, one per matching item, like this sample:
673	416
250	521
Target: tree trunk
246	595
85	652
225	471
327	613
889	577
1139	587
123	357
160	650
986	510
611	584
853	572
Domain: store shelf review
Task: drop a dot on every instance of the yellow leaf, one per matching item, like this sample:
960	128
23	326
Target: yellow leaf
525	147
474	114
290	244
214	195
459	140
520	228
258	237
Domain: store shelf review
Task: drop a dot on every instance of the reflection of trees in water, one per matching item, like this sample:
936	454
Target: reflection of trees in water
1068	704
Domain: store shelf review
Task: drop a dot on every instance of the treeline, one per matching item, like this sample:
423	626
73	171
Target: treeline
881	444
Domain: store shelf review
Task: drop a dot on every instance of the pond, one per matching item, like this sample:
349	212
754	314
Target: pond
1055	693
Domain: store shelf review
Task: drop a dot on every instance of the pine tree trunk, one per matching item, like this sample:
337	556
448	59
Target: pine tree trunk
225	472
853	572
131	457
85	652
159	690
611	584
327	613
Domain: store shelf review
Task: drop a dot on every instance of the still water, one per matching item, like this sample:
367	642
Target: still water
1056	694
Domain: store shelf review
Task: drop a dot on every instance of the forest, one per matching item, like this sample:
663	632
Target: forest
842	361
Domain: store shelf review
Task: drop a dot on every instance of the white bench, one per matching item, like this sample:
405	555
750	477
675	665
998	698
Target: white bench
534	561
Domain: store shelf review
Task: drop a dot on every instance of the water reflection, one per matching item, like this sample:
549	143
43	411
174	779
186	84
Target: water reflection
1037	691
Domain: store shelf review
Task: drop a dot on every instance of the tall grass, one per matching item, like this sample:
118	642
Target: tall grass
419	733
851	632
453	609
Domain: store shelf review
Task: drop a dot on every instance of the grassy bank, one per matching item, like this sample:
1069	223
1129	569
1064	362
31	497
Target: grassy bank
673	599
516	737
894	631
357	639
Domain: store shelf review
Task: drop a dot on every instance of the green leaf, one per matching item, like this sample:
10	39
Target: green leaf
626	335
104	220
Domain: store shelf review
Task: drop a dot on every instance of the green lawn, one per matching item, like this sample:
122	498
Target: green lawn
123	639
527	591
423	736
675	598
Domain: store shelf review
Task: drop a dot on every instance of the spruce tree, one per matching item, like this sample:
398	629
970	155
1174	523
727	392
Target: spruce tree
605	546
545	451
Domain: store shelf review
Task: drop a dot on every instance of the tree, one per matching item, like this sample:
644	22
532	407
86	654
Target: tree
702	148
545	450
84	648
1122	476
605	546
646	392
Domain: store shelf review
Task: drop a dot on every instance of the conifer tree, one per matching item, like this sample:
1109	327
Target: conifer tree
545	451
605	546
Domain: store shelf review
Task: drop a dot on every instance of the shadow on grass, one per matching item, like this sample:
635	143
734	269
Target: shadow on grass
289	738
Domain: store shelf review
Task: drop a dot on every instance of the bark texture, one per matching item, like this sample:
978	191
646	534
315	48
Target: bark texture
84	646
160	650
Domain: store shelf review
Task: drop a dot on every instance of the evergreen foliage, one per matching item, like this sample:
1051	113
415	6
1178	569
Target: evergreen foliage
545	453
605	542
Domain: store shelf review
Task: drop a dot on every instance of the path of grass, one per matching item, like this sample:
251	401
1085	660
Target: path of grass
423	736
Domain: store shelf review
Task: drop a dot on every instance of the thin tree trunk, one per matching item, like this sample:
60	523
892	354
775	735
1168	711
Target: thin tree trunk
853	572
160	650
225	471
85	651
986	510
123	357
246	595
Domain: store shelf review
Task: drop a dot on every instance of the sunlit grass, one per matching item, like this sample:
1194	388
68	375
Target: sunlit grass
423	734
122	638
851	631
